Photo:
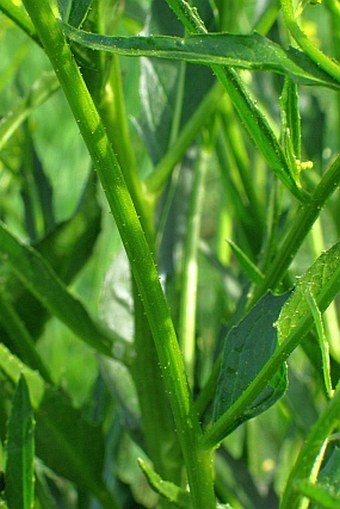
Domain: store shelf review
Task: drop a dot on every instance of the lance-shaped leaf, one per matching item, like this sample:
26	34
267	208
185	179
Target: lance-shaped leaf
20	451
253	52
247	348
38	276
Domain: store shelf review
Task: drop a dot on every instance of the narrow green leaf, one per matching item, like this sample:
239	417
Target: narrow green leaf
254	274
14	368
247	348
166	489
38	276
71	446
66	248
324	347
319	494
21	338
291	119
253	52
19	489
291	126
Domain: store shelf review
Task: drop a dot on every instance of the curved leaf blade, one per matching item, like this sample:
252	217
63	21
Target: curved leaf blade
253	52
38	276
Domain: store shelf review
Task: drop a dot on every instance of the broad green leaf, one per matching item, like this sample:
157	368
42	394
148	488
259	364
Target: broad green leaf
14	368
322	281
166	489
247	348
253	52
67	248
168	92
67	443
38	276
19	488
71	446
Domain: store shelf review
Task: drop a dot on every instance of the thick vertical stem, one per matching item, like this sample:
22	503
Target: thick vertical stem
143	266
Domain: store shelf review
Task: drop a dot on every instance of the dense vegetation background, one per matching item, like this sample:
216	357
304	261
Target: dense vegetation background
237	195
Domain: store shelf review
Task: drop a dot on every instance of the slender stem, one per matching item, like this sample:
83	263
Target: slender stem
254	121
222	426
308	463
187	320
306	215
39	93
143	266
322	60
157	179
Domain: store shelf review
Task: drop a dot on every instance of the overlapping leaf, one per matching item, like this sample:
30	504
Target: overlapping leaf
253	52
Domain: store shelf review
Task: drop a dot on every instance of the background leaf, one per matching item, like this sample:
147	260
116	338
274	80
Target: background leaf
65	441
37	275
20	451
247	347
78	12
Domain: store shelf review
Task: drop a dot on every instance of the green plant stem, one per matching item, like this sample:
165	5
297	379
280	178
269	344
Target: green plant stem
322	60
304	219
188	304
221	427
158	426
308	462
253	119
159	177
39	93
113	113
198	462
267	18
